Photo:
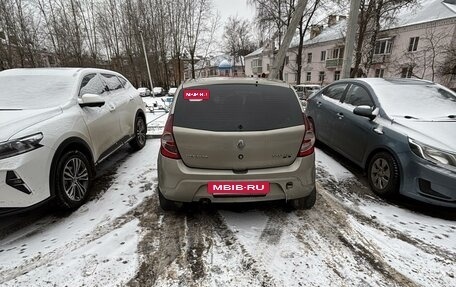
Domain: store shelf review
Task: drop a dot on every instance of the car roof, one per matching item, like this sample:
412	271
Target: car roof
387	81
54	71
308	85
234	81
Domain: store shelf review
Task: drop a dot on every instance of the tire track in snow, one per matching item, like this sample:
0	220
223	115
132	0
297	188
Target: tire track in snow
348	250
161	243
47	258
274	227
249	263
177	247
350	189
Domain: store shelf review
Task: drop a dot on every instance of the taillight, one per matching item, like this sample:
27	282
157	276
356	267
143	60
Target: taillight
168	144
308	142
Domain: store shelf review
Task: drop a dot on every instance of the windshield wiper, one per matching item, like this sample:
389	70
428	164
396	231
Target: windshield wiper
452	116
410	117
1	109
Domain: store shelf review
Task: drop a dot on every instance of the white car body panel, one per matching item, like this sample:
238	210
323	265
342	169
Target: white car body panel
100	128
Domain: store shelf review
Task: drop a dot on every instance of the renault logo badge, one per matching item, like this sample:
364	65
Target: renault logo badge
241	144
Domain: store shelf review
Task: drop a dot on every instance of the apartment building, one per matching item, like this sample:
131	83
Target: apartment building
415	45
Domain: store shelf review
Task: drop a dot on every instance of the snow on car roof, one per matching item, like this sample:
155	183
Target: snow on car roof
53	71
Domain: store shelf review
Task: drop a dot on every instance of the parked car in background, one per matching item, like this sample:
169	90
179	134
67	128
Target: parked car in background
401	131
56	126
158	91
167	102
213	145
304	91
172	92
151	102
144	92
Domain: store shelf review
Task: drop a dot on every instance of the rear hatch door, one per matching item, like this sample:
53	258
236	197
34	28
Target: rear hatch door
240	127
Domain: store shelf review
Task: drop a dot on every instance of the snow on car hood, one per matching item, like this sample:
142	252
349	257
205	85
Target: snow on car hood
13	121
440	134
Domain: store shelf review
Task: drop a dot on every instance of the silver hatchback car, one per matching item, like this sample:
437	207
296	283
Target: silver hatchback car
236	140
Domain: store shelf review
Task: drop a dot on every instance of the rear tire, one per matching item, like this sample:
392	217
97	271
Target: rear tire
72	180
166	204
304	202
383	174
139	141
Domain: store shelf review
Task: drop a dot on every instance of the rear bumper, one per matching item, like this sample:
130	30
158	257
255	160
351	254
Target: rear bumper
178	182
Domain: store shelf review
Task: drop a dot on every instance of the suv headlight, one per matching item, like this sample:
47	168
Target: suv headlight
20	146
432	154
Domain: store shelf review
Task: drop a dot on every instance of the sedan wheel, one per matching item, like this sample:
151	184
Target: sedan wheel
383	174
72	179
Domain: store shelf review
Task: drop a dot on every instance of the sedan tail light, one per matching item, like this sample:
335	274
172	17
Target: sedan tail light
308	142
168	144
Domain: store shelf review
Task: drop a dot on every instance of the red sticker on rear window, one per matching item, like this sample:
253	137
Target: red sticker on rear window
196	95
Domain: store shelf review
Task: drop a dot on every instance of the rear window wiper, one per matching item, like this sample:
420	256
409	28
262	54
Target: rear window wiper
1	109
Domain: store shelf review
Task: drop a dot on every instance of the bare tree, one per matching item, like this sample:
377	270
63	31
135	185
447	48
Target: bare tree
196	16
274	16
373	13
237	39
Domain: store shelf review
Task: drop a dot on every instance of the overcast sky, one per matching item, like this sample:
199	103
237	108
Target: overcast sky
229	8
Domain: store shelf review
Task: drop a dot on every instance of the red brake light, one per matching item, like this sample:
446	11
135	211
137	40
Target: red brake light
168	144
308	142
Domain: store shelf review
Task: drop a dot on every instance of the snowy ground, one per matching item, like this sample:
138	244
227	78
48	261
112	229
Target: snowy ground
122	237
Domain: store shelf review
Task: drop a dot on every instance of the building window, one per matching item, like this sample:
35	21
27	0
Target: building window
407	72
336	75
267	67
309	76
383	47
285	77
323	56
379	73
413	46
321	77
257	66
309	58
287	60
337	53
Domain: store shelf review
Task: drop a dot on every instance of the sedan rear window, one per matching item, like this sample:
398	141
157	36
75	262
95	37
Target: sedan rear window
241	107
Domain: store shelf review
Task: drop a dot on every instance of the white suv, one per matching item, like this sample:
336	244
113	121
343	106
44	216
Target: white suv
56	125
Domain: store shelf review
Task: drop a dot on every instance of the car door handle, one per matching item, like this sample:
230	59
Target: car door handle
340	115
112	108
319	104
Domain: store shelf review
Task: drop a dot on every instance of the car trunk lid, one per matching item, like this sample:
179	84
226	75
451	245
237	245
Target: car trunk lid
239	127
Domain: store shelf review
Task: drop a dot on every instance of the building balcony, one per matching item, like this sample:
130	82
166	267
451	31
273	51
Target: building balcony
381	58
334	63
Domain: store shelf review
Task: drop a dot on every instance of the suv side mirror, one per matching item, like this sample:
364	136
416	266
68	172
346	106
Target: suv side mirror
91	100
365	111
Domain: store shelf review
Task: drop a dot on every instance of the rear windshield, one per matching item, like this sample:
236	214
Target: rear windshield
243	107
